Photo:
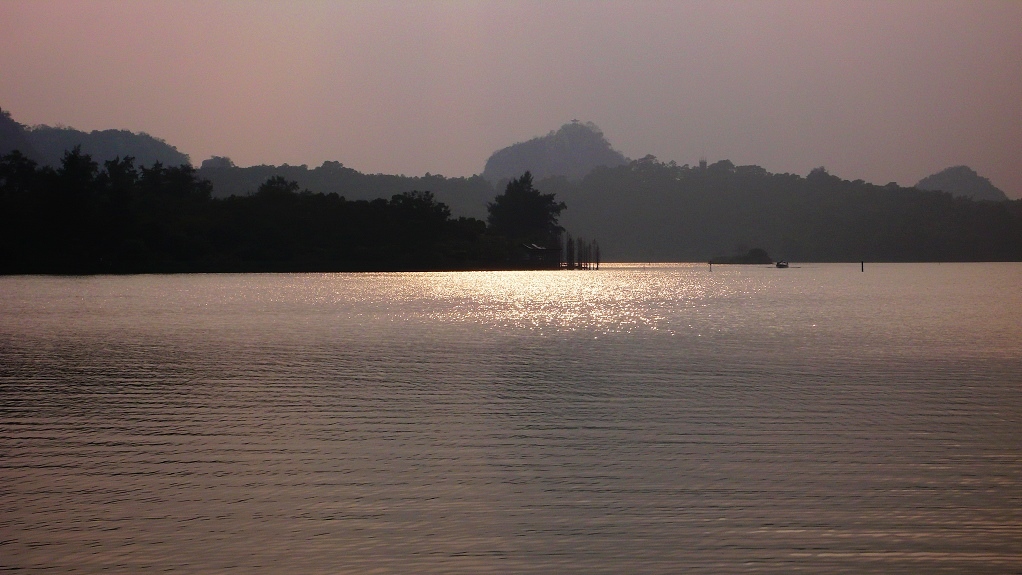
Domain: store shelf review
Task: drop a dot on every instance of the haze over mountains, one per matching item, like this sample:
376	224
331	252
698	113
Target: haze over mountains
646	209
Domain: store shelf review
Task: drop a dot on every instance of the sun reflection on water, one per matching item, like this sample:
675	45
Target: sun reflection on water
609	300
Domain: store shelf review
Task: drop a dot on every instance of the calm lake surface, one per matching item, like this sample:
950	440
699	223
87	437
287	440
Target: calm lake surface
638	419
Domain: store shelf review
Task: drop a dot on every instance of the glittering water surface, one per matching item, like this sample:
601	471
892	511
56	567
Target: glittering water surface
639	419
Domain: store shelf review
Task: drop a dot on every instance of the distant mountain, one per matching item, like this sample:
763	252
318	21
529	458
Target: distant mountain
962	181
572	151
102	145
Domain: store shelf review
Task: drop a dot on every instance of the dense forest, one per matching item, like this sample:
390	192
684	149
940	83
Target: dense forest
648	210
85	218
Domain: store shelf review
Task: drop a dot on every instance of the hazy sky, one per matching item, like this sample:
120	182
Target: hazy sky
883	91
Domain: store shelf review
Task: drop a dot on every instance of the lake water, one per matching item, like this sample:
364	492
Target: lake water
638	419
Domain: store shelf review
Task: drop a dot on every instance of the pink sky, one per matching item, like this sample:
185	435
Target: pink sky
883	91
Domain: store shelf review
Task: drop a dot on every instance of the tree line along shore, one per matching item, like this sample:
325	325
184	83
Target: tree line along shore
87	218
84	216
116	217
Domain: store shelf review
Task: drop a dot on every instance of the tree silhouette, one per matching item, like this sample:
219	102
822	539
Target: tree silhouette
277	186
522	213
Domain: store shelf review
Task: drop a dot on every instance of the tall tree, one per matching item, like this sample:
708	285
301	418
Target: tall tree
523	213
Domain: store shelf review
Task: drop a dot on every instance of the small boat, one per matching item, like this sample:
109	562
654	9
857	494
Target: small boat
782	264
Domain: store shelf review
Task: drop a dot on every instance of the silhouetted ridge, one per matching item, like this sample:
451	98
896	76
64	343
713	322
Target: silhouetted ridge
465	196
962	181
653	211
47	145
572	151
14	136
103	145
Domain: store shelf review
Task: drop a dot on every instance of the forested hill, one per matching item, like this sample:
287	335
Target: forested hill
51	143
13	136
465	196
46	144
652	211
